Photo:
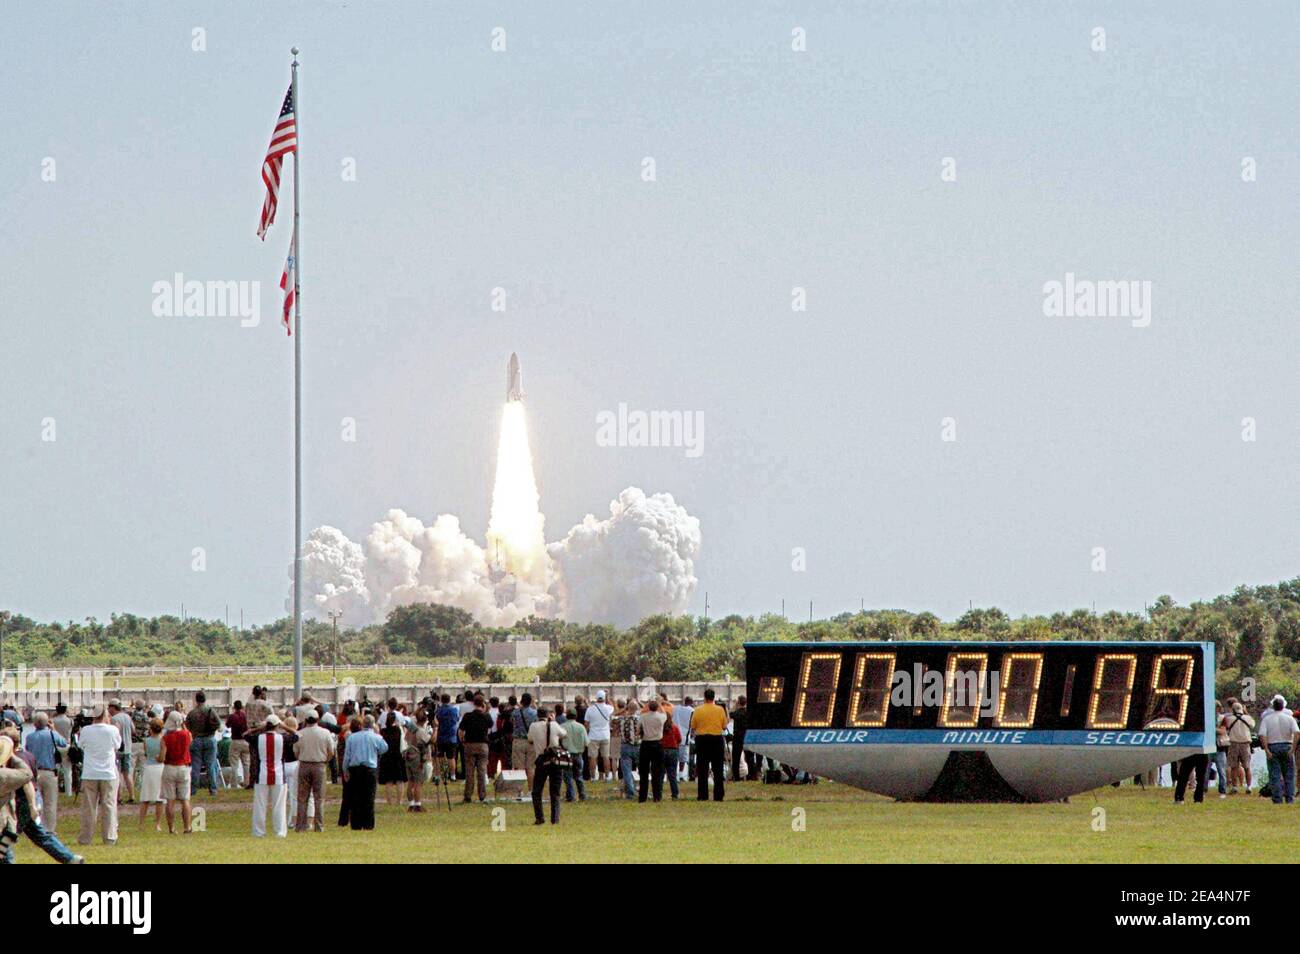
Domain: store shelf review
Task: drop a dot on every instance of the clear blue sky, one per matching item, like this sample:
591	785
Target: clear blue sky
775	169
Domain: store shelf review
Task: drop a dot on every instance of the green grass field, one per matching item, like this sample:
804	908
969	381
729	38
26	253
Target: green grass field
755	824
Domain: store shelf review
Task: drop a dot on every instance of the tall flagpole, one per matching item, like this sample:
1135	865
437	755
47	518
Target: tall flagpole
297	399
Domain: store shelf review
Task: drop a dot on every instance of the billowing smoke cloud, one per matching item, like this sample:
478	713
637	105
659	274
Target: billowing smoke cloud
638	561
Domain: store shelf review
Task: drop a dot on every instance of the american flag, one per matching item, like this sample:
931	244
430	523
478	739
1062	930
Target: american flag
283	141
286	284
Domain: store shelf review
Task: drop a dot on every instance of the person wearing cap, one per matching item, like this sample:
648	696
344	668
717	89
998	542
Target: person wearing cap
269	789
1279	733
314	750
44	744
597	720
174	787
101	744
1239	724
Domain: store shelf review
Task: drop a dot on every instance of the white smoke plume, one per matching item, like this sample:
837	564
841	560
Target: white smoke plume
638	561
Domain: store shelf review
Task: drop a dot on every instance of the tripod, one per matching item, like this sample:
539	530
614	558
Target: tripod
441	779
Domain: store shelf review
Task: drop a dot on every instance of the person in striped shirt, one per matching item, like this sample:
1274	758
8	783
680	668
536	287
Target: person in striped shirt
270	793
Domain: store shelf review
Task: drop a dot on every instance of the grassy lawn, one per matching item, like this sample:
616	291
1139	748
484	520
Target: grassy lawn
753	825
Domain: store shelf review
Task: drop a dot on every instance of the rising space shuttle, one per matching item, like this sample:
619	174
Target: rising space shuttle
514	380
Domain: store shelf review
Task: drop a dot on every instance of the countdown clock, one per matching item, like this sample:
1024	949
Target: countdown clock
979	721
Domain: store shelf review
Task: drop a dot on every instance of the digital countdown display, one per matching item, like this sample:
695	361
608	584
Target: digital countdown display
1021	721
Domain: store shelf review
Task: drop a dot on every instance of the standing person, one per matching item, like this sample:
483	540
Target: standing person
652	751
62	724
100	744
1198	763
256	711
474	728
682	719
121	720
498	738
546	740
1220	749
1239	725
521	720
1279	732
269	790
151	776
448	717
629	748
419	735
45	744
392	766
314	749
598	720
237	723
708	723
739	726
139	732
174	788
203	725
672	743
360	764
289	726
575	743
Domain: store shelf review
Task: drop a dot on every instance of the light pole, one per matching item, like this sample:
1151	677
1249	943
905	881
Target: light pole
334	618
4	621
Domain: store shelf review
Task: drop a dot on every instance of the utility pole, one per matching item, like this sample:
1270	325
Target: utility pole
783	607
810	611
334	618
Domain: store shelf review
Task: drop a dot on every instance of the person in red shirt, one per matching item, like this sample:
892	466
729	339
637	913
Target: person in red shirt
671	742
176	770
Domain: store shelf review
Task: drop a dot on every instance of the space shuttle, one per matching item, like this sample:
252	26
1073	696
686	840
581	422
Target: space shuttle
514	380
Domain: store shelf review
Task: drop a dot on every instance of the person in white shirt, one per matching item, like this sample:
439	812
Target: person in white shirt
682	716
597	720
1278	732
100	743
546	736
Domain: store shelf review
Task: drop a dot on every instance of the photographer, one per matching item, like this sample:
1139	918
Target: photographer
546	739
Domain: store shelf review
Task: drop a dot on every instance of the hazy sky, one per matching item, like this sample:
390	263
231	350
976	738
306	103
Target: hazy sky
523	169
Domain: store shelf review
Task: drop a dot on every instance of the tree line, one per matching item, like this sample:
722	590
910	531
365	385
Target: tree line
1256	632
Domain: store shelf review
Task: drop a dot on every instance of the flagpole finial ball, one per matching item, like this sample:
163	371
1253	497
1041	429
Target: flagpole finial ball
294	51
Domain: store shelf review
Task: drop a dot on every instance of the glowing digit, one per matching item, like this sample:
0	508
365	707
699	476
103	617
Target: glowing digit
819	675
1111	693
967	712
1164	697
873	675
1023	694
